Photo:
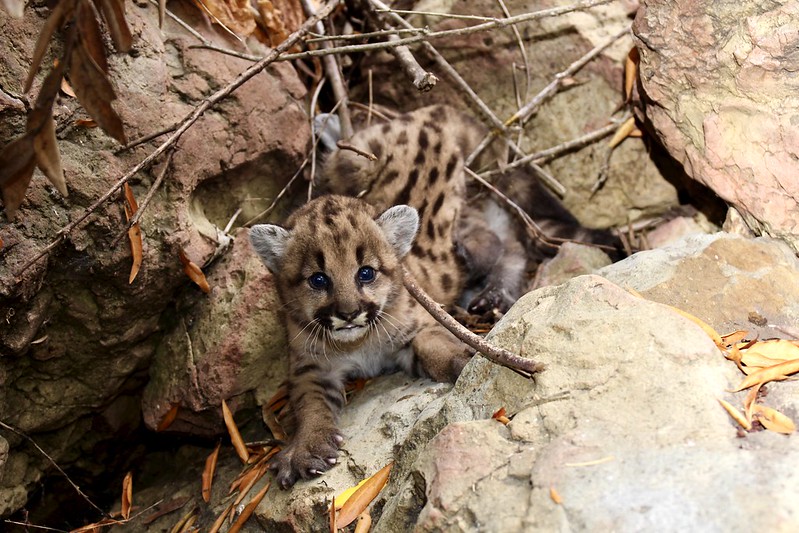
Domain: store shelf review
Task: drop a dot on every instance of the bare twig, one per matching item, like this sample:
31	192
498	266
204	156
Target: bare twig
422	80
333	73
52	461
185	124
352	148
146	138
363	36
521	365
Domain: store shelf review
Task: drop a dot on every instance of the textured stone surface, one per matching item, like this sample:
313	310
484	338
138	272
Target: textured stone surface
75	335
720	87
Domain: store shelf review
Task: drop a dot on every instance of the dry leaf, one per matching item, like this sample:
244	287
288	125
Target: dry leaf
777	349
235	16
736	415
248	510
734	337
707	329
94	91
235	436
168	417
86	123
332	517
555	495
134	233
194	272
1	243
630	72
749	402
773	420
90	35
165	508
185	522
48	159
113	12
17	161
208	473
342	498
221	519
772	373
66	88
62	10
362	497
624	131
500	416
272	423
756	360
271	19
127	495
364	522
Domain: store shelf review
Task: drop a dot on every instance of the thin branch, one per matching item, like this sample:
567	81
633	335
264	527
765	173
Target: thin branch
333	73
363	36
422	80
521	365
185	124
146	138
52	461
352	148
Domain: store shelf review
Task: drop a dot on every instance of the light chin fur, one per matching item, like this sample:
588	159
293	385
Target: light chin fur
348	336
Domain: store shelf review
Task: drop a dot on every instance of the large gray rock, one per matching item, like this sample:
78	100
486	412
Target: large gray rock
720	87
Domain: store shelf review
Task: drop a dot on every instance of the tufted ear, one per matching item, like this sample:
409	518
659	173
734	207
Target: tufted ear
399	224
270	242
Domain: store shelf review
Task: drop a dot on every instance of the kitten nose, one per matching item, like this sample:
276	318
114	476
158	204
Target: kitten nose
348	316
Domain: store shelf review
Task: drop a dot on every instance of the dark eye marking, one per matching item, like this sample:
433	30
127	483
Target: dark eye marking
318	281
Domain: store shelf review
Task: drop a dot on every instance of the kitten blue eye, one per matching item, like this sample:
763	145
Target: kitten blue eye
366	274
318	281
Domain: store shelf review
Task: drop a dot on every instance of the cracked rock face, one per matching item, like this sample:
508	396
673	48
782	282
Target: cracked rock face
720	87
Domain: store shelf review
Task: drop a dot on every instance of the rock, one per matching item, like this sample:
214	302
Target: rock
572	260
672	231
720	92
76	335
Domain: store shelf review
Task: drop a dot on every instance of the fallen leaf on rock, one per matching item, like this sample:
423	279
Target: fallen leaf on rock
362	497
208	473
15	8
248	510
364	522
773	420
114	15
60	11
734	337
772	373
749	402
235	16
273	424
168	417
194	272
342	498
66	88
235	436
702	324
777	349
165	508
736	415
500	416
185	523
48	159
555	495
631	72
332	517
221	519
626	129
86	123
134	233
90	35
127	495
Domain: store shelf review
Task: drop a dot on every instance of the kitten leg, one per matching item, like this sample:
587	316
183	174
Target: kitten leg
439	353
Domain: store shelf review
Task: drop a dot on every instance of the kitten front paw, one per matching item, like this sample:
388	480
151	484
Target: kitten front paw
306	457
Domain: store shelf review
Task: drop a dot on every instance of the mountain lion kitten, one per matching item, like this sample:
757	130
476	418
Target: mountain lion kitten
337	263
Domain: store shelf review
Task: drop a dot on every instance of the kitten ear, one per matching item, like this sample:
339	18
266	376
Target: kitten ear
270	242
399	224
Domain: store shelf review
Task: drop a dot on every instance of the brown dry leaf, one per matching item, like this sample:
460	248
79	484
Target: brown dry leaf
67	89
235	436
749	402
630	72
734	337
113	12
194	272
96	527
624	131
90	35
332	517
62	10
248	510
360	500
271	19
772	373
755	360
48	159
233	15
364	522
1	243
555	495
777	349
699	322
500	416
127	495
94	91
221	519
165	508
134	233
272	423
773	420
185	522
168	418
17	161
736	415
86	123
208	473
